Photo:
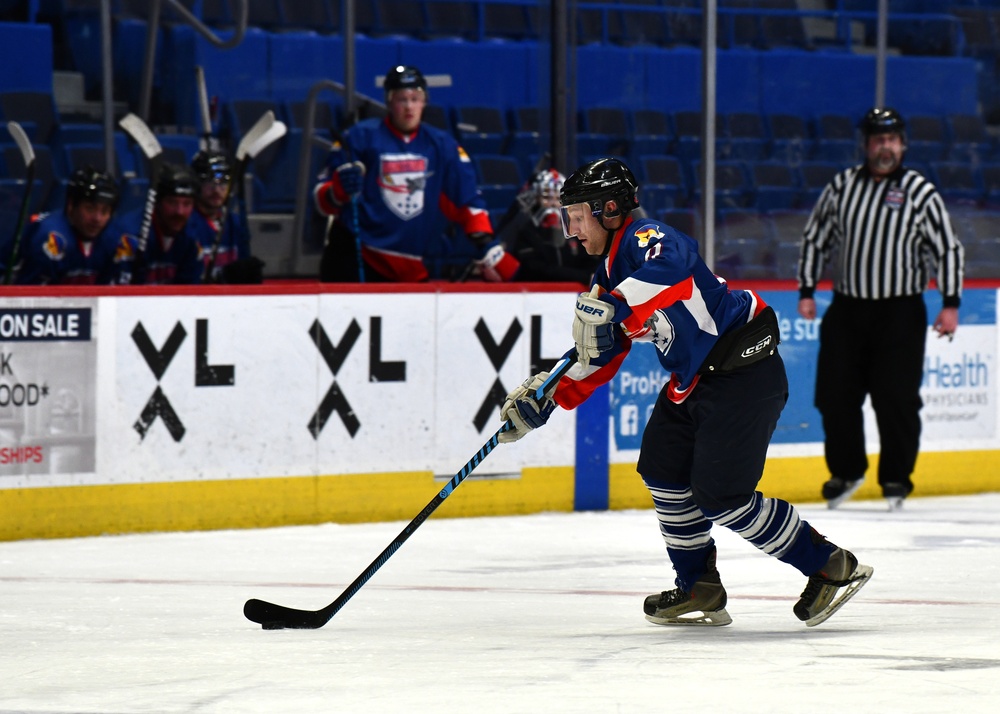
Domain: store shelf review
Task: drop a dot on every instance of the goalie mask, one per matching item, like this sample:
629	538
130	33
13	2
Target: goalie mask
540	197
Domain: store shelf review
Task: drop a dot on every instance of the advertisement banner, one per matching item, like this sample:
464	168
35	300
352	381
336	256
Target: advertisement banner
960	409
48	387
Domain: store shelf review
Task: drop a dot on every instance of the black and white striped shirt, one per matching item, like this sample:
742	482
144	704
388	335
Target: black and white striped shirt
887	236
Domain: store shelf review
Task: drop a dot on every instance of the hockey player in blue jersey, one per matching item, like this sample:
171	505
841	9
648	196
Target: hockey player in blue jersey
172	255
394	185
82	245
221	232
704	446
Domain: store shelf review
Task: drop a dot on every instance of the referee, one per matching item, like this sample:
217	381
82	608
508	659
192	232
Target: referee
886	228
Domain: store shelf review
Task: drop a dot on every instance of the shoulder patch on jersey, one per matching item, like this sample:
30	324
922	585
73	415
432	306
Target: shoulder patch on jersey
125	249
463	156
644	236
55	246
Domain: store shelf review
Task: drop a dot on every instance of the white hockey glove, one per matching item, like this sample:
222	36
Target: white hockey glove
593	329
523	411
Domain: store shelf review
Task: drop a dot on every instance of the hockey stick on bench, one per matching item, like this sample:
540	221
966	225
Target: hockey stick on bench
278	617
151	149
265	131
28	155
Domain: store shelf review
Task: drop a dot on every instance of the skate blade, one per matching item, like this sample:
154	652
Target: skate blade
851	490
861	575
716	618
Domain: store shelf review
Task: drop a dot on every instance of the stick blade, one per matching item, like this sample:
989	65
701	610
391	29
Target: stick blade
260	127
22	141
143	135
277	617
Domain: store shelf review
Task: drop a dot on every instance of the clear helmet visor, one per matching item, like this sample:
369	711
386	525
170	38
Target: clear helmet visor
572	218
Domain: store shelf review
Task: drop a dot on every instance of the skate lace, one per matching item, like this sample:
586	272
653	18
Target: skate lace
669	598
813	587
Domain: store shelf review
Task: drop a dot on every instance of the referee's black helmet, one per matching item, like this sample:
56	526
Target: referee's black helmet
882	120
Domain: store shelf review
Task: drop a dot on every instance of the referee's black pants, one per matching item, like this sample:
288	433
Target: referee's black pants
873	348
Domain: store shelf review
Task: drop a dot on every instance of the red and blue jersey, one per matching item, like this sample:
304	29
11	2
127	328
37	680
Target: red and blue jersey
234	243
414	186
663	293
167	260
56	256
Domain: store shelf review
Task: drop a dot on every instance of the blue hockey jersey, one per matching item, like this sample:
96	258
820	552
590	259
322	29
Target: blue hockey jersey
56	256
663	293
414	186
233	245
167	260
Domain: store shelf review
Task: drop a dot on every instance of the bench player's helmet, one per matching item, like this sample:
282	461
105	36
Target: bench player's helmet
89	184
175	180
403	77
209	166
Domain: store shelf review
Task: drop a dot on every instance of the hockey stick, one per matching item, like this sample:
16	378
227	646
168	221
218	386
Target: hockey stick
28	155
355	224
277	617
151	149
208	142
265	131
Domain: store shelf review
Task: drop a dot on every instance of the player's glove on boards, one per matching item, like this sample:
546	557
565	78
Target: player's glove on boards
593	326
524	411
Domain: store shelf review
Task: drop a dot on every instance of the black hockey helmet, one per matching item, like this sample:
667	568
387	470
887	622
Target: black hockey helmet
600	181
89	184
882	120
211	166
175	180
404	77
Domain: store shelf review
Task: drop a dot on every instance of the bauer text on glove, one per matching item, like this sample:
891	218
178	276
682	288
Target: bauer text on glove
593	327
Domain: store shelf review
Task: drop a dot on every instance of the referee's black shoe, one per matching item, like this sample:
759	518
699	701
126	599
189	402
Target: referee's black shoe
838	490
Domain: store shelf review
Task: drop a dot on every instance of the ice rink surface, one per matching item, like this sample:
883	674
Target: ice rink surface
514	614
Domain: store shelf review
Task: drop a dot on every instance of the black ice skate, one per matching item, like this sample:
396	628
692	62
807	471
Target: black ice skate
838	490
831	587
895	494
704	605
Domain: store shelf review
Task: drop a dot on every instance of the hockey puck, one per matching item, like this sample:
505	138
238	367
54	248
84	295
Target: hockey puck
273	625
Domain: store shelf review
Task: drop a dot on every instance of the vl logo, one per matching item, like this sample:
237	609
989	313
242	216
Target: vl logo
498	354
158	360
335	355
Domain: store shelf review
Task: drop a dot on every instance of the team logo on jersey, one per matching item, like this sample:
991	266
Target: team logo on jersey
403	179
55	246
124	250
645	235
895	198
462	156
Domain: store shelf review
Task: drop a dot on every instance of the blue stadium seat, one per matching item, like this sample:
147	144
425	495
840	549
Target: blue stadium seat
814	176
746	138
481	129
957	181
790	140
775	185
926	138
603	131
663	184
500	178
651	133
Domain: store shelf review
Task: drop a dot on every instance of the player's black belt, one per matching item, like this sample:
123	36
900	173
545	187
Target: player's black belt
745	345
